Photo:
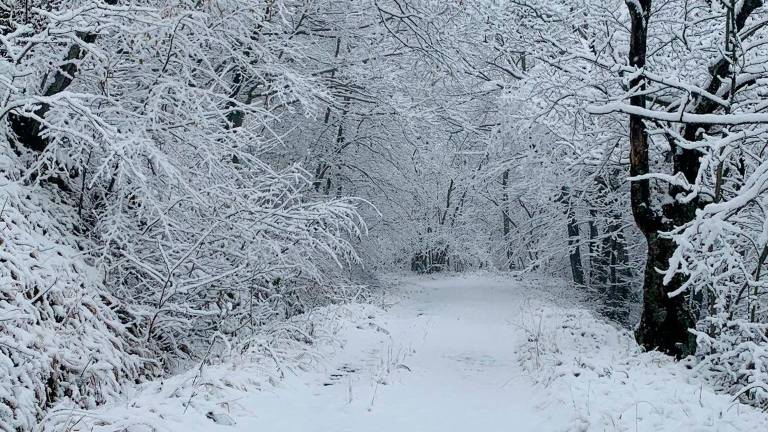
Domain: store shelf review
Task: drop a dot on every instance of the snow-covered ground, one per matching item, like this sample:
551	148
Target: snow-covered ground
468	353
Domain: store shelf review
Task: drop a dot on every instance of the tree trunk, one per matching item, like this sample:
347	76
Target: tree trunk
619	281
507	221
665	321
574	240
577	269
598	264
26	130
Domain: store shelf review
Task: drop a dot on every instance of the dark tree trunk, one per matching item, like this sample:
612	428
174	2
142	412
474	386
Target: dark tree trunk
323	167
598	264
26	130
617	294
235	117
574	239
507	221
665	321
577	269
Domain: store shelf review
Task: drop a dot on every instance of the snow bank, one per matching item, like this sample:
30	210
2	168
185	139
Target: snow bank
61	336
218	393
607	383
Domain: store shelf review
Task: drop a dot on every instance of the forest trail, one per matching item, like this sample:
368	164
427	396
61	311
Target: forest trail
448	363
460	353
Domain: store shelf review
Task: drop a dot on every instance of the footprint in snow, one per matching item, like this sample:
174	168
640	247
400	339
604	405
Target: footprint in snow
337	375
474	361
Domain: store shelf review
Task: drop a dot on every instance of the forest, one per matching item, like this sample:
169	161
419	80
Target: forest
195	188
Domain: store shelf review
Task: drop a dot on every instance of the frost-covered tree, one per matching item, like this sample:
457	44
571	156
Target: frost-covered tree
155	121
689	77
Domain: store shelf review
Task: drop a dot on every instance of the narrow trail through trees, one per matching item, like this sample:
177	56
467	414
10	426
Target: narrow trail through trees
468	353
441	359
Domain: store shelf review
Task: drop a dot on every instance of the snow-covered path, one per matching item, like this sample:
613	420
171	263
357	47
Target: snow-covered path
448	364
453	354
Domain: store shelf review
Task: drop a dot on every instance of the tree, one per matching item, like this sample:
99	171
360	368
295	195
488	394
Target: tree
667	315
665	320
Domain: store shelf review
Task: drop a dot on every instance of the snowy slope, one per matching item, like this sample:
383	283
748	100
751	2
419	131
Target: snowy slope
451	354
61	334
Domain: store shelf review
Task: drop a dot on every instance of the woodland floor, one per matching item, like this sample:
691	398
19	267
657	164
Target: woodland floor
469	353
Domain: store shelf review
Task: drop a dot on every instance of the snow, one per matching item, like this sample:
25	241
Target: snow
60	331
456	353
680	117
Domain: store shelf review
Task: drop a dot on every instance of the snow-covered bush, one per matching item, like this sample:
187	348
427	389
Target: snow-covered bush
153	122
722	253
62	335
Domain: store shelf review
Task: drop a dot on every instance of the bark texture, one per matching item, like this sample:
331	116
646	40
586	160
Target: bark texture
665	320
